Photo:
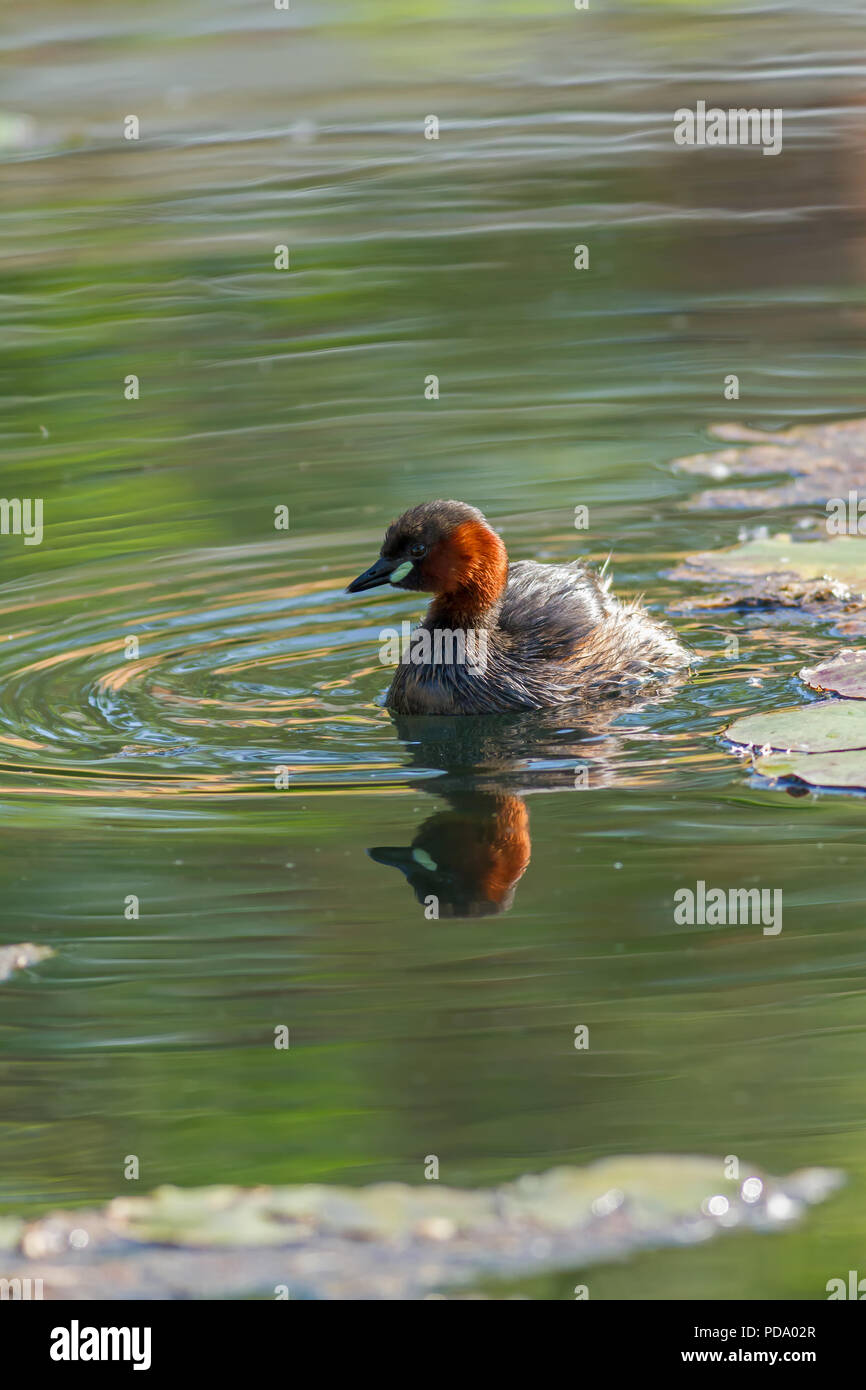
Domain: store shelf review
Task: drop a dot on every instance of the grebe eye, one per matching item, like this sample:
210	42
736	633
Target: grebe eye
416	551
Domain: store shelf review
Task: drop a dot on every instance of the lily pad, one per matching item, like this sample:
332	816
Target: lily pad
823	461
393	1241
844	675
19	957
823	745
838	563
830	726
821	598
825	579
843	770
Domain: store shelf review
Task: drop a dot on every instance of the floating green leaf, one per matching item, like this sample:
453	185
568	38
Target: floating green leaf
831	726
840	560
823	745
845	769
826	578
398	1242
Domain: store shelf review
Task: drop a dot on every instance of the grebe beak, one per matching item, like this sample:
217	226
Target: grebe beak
406	858
377	574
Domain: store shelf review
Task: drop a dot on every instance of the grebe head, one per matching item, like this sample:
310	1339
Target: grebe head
445	548
469	856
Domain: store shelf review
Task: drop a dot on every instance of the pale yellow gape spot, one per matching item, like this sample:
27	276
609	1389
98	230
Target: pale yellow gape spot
400	572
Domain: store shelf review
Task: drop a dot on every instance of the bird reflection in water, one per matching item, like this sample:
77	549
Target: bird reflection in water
468	857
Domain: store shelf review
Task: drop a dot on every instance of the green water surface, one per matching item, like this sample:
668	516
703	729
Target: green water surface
148	769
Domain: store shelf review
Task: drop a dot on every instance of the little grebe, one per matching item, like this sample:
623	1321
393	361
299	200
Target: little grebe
502	636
